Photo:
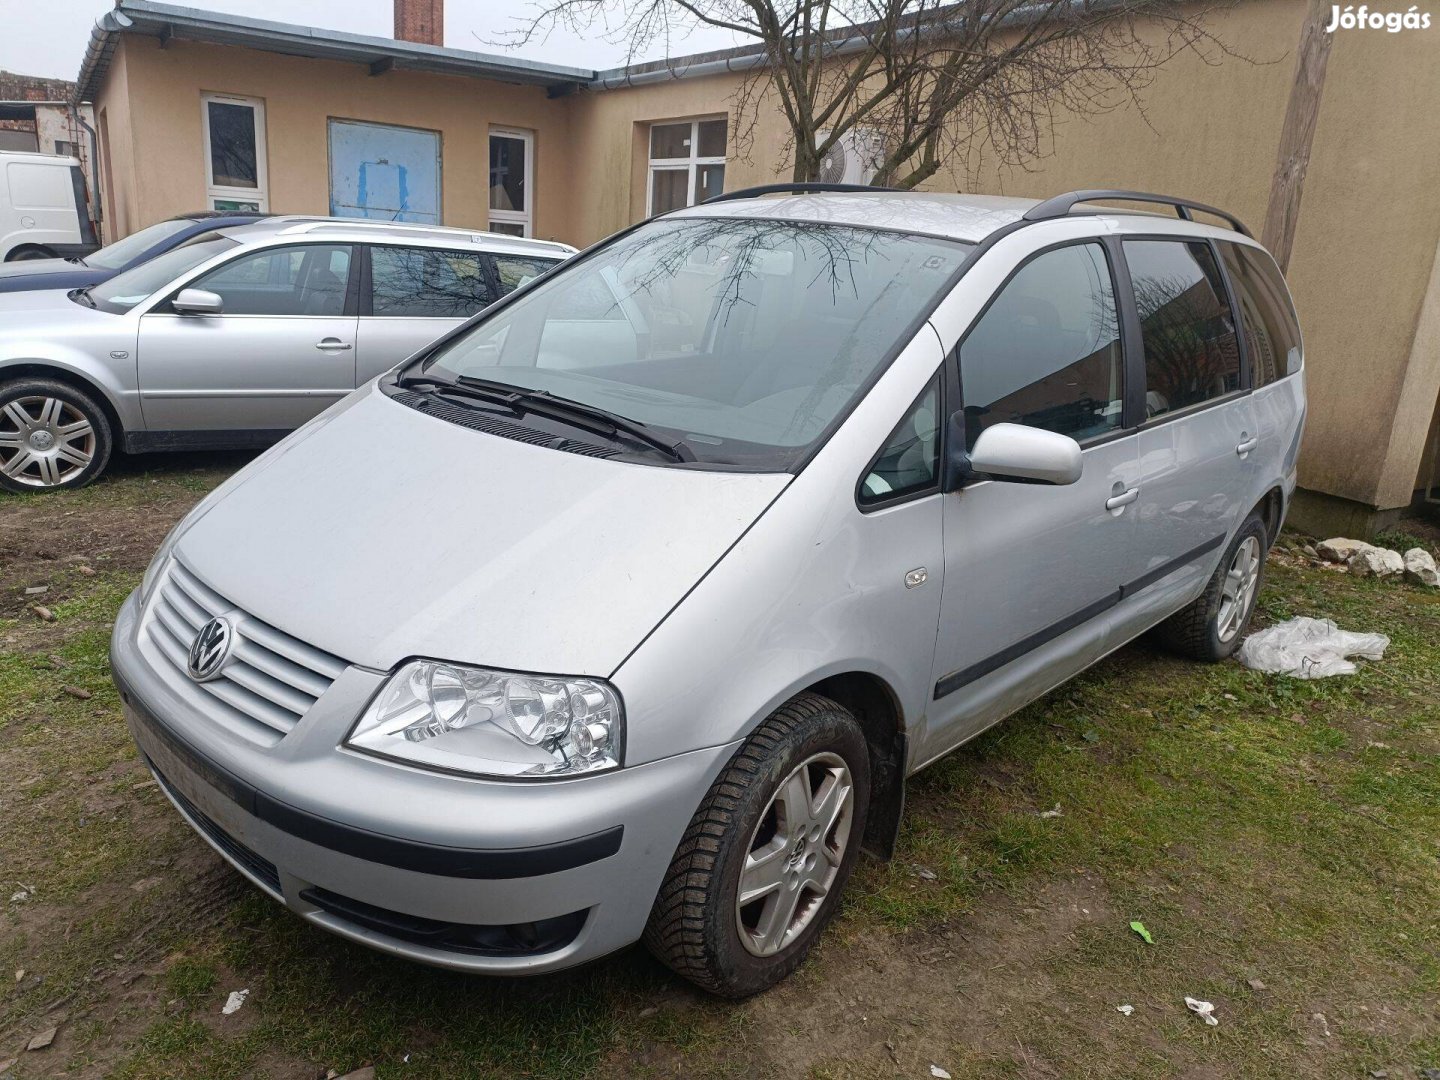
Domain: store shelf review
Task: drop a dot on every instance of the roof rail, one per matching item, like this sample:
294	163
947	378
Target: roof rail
790	189
1061	205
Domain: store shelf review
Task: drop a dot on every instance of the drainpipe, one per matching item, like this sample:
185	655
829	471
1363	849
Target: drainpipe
94	168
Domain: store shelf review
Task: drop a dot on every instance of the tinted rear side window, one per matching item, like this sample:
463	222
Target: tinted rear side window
427	283
1192	354
1272	334
516	270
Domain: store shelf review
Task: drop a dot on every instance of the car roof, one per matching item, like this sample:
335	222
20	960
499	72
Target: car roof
969	218
360	230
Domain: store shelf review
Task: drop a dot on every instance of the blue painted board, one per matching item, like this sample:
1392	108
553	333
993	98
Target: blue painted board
384	172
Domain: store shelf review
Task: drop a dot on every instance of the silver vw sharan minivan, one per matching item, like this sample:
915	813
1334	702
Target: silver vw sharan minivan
626	609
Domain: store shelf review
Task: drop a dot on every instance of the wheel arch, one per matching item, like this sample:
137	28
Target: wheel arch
877	708
39	369
1271	509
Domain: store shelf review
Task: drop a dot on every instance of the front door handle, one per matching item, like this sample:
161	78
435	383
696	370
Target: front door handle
1125	498
1246	445
333	344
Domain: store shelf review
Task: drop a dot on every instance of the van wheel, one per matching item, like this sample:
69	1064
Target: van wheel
25	254
760	870
52	436
1212	627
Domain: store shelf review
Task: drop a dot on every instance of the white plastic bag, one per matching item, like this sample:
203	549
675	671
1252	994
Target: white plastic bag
1309	649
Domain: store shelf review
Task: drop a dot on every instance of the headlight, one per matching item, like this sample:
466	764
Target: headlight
493	723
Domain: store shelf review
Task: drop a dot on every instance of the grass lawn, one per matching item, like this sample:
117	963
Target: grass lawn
1279	839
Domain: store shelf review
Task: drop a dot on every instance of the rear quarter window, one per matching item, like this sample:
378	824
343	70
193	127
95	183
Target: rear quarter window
1272	332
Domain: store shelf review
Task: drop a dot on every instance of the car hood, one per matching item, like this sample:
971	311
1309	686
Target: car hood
382	533
65	275
42	305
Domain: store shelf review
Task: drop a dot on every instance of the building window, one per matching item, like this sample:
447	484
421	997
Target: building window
235	176
687	164
512	163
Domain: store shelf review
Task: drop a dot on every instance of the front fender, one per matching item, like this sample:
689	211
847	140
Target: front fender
113	377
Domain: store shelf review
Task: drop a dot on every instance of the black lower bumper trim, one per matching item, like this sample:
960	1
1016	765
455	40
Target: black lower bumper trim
405	854
518	939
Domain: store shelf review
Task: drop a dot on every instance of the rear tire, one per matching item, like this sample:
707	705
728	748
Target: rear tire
784	820
52	436
1211	627
25	254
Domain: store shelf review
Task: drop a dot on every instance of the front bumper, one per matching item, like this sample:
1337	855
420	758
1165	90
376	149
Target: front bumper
485	876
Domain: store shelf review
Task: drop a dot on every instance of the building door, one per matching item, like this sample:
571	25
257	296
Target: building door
384	172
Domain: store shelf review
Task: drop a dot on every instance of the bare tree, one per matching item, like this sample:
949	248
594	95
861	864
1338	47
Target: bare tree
931	83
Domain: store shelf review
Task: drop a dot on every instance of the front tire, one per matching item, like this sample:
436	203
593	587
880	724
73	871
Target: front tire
1211	627
27	254
52	436
759	872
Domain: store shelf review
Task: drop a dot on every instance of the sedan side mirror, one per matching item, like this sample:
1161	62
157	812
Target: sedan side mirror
1015	452
198	302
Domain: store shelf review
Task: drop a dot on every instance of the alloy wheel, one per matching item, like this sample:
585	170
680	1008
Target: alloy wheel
1237	592
44	441
795	854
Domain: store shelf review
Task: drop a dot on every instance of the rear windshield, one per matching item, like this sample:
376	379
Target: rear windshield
117	255
124	291
745	338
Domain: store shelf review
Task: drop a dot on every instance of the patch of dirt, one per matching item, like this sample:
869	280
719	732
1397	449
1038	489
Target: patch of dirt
884	1005
117	525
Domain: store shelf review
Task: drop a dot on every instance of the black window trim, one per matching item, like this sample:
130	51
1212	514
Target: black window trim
1128	416
944	379
1149	424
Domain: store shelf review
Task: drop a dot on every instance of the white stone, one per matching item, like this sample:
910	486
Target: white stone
1376	562
1420	567
1340	549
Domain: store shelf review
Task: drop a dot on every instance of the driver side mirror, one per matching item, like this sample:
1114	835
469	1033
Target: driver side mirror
1016	453
198	302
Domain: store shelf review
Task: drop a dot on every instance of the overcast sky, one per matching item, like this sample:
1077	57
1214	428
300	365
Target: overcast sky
50	38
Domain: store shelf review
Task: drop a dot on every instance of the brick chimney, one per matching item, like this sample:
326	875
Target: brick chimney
421	21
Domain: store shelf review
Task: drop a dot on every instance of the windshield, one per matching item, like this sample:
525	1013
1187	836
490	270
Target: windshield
124	291
745	338
115	256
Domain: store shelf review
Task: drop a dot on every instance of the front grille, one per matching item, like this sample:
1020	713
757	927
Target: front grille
263	869
270	680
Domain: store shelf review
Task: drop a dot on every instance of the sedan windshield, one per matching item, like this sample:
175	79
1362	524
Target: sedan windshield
117	255
745	339
124	291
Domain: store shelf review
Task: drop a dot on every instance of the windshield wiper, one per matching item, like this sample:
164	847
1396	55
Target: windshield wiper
83	294
587	417
445	386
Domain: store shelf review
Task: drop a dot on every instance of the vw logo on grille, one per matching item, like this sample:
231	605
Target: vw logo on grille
209	650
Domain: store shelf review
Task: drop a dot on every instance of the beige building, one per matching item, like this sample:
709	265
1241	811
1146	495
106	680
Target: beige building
196	109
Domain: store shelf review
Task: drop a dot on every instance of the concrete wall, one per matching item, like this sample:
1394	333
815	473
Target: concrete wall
158	91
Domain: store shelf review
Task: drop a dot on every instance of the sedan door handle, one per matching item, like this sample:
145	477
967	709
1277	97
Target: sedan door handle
333	344
1125	498
1246	445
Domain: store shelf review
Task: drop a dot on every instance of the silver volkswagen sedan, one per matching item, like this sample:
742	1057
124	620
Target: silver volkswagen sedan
233	339
626	610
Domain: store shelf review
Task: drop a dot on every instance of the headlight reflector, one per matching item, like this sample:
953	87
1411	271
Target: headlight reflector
493	723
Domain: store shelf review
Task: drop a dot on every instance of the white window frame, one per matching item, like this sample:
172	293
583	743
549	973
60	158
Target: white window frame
691	164
214	193
524	218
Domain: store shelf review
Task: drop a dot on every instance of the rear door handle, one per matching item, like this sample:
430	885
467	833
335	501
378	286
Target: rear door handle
1246	445
1125	498
333	344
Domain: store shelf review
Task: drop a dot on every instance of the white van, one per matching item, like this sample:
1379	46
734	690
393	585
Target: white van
42	208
